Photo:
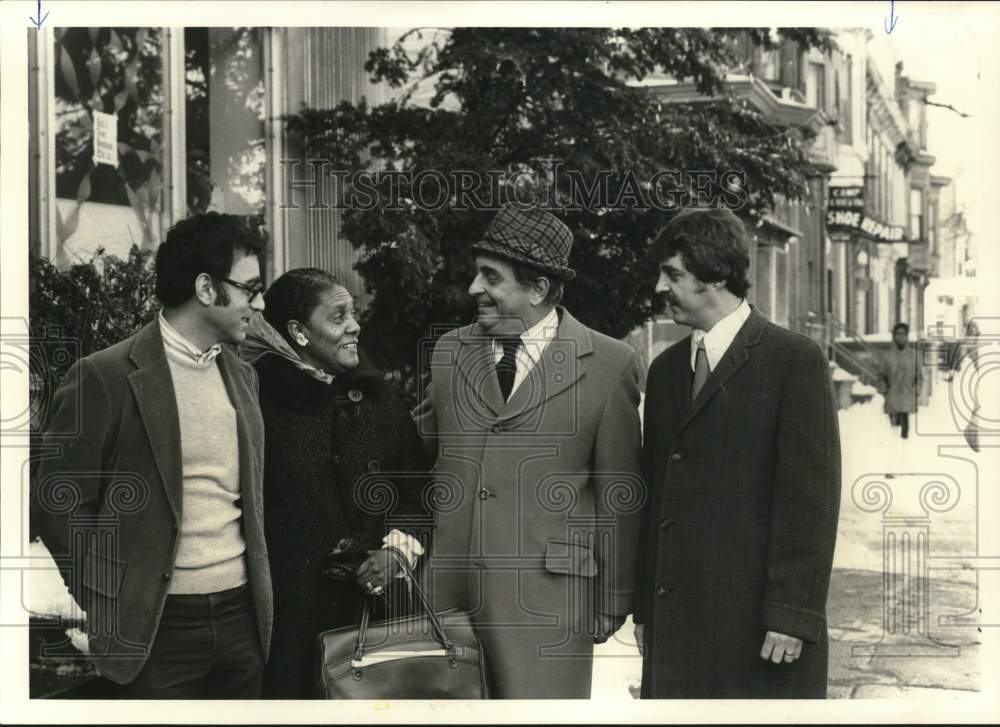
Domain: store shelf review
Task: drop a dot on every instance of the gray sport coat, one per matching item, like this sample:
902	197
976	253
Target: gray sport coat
107	495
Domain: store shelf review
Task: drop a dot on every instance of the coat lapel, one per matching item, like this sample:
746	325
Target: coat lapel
477	364
736	356
682	374
558	369
153	388
248	436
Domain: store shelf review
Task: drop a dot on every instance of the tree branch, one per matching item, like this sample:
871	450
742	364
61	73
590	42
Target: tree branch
949	107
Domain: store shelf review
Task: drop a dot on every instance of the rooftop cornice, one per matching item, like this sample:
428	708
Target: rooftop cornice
885	109
745	86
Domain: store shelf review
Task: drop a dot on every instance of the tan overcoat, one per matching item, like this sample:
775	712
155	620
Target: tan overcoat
538	501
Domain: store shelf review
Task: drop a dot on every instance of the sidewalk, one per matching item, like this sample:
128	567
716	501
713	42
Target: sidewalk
854	612
948	662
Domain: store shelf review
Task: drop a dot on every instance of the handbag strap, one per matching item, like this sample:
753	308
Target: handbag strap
439	632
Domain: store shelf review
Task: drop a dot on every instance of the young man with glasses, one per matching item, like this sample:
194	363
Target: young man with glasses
150	502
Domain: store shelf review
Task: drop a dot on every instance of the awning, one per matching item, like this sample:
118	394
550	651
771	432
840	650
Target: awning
779	229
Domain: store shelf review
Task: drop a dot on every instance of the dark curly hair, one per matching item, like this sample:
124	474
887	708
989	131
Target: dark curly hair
712	243
294	296
203	243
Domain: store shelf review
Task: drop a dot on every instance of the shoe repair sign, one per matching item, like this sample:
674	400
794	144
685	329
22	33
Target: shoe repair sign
846	213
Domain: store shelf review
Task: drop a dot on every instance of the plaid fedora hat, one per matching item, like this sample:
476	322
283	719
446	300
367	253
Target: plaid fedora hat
532	237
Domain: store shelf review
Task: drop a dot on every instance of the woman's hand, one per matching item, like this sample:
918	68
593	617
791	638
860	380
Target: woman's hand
375	573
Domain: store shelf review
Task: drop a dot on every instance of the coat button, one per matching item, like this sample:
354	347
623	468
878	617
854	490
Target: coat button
484	493
664	523
661	591
166	575
496	428
355	395
676	457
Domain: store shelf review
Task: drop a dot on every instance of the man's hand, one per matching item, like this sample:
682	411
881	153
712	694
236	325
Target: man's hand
606	626
638	640
780	648
375	573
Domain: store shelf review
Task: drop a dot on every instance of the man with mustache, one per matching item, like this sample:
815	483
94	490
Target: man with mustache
741	455
537	435
151	501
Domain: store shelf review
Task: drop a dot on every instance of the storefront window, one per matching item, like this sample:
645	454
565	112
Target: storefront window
111	86
225	114
107	82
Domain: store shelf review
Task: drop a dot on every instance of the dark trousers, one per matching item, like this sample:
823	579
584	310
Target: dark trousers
207	647
901	420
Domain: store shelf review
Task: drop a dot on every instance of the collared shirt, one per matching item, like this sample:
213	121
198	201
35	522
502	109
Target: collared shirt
720	338
173	340
533	343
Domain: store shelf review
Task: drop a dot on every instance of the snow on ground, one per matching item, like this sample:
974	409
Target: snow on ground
44	592
934	451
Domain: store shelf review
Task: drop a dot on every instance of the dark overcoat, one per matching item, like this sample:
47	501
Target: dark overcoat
108	498
539	501
740	532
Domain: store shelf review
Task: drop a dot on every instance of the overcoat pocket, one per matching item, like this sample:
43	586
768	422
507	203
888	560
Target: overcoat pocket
570	558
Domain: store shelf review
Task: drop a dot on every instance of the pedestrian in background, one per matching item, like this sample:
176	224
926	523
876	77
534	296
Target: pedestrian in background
342	457
963	352
902	378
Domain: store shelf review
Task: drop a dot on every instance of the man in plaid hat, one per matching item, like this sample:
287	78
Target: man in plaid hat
535	421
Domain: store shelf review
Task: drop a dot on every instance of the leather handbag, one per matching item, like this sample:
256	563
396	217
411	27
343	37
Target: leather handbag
425	656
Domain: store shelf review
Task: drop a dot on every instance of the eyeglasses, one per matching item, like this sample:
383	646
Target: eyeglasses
252	291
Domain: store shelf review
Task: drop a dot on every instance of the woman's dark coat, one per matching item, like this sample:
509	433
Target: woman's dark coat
325	445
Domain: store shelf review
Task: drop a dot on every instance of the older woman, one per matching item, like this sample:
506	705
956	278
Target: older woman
332	422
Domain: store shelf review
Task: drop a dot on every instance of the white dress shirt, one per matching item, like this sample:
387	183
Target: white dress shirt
718	340
533	343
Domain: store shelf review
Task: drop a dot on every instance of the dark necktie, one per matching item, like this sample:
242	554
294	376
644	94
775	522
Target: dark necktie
507	366
700	370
